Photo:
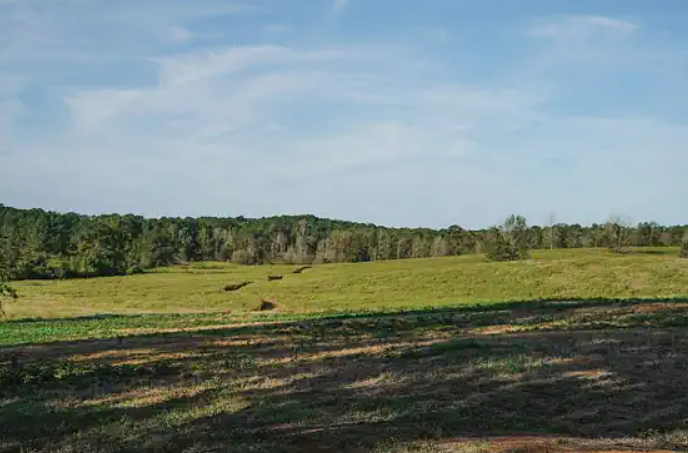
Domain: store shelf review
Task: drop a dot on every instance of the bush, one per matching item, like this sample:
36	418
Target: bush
135	270
509	241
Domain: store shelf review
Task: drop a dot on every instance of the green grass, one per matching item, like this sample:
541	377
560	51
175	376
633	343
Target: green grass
404	284
569	351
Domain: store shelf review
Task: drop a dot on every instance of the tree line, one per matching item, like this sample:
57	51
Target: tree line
38	244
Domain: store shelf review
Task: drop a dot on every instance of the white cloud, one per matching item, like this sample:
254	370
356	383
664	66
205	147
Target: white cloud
196	66
39	31
179	35
217	122
610	23
580	28
92	108
337	7
396	134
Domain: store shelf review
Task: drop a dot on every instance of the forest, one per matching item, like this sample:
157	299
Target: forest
39	244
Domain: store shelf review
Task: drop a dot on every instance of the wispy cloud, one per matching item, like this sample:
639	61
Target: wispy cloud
193	121
337	7
192	67
180	35
277	29
580	27
211	111
34	30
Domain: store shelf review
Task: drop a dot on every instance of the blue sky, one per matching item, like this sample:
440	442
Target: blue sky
398	112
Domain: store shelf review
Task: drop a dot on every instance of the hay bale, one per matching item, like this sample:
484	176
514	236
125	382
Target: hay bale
236	286
301	269
272	278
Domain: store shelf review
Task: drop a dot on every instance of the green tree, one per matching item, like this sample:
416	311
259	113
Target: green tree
574	236
40	244
439	247
383	251
6	291
684	246
103	248
459	241
648	234
509	241
419	247
404	247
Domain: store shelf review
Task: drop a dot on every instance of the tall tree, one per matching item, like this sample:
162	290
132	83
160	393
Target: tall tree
574	237
404	247
509	241
419	247
42	244
459	241
383	250
6	291
648	234
618	233
439	247
550	234
684	246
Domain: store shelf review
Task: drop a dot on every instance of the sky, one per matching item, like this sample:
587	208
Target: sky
396	112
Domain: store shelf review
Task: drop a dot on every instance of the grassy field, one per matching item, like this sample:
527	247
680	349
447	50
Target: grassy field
392	285
566	352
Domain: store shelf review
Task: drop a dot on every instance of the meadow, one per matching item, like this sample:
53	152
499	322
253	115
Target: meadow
571	350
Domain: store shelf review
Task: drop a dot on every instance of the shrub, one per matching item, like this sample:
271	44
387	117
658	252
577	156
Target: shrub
509	241
135	270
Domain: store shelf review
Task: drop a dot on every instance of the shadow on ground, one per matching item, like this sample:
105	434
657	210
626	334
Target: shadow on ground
593	375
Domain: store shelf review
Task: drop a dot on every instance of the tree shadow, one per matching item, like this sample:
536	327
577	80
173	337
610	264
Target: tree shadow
655	252
97	317
608	372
